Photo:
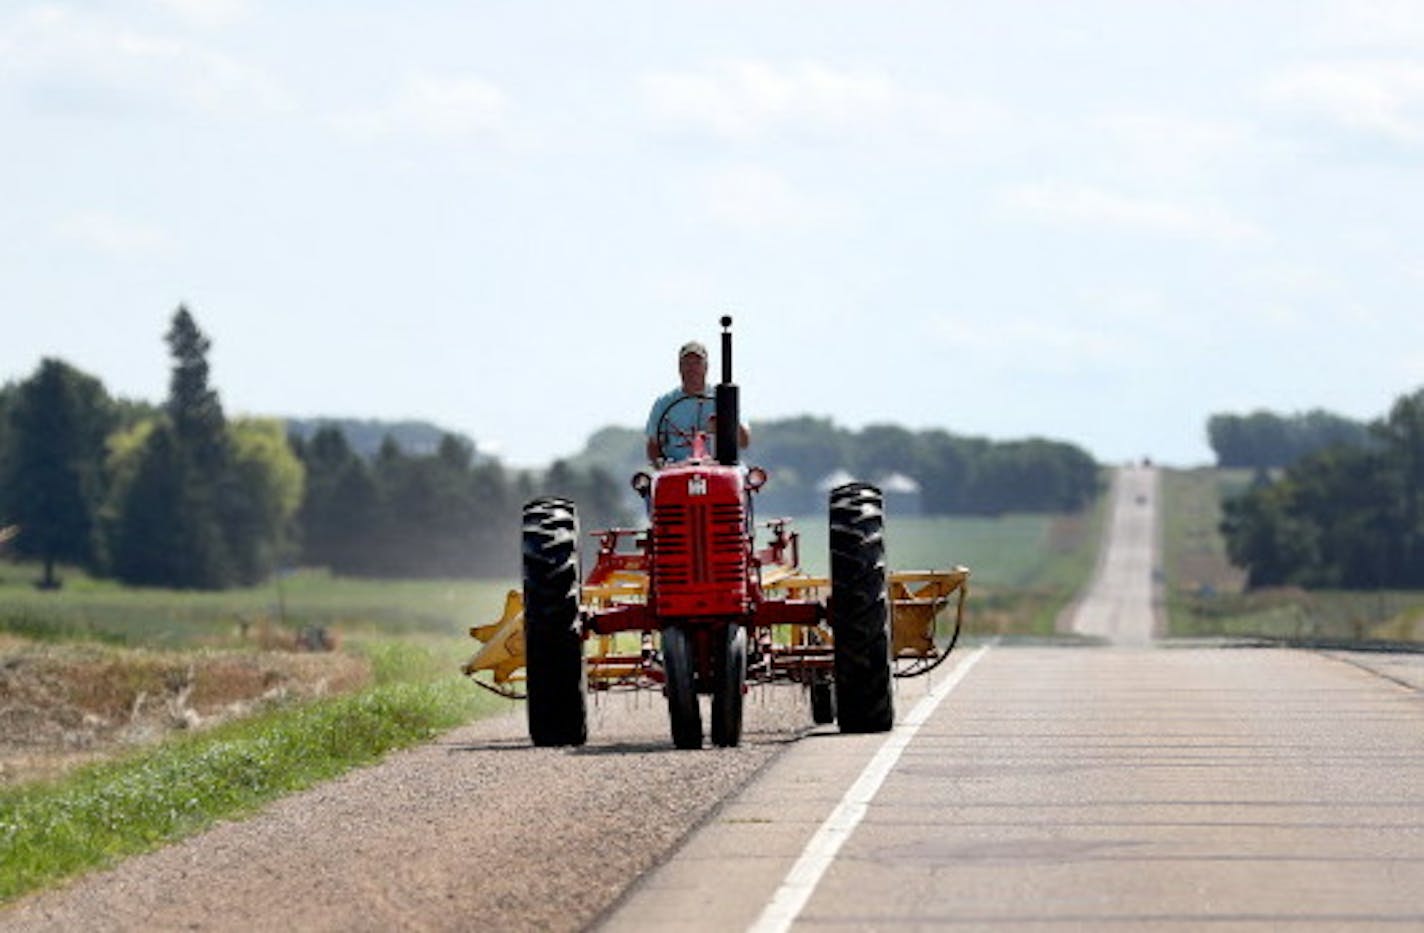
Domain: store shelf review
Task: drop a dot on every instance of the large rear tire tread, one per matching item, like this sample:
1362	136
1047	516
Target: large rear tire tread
860	616
557	681
823	701
727	691
679	666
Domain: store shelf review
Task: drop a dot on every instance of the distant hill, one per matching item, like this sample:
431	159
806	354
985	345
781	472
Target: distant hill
365	435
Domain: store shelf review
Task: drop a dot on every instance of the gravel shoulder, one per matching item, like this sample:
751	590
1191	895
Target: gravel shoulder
475	828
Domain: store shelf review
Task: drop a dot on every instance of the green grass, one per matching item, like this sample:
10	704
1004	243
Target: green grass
1009	551
99	609
1303	616
109	811
1194	553
1025	568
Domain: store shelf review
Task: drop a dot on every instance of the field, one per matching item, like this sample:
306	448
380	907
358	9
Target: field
101	610
1026	568
1206	596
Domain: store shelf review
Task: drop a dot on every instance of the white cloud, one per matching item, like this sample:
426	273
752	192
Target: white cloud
1083	206
755	197
208	14
1382	98
1054	347
443	106
59	57
1171	147
114	235
1121	304
1380	23
742	100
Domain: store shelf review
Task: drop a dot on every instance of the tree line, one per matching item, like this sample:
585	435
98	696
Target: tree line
956	475
1264	440
178	495
1348	516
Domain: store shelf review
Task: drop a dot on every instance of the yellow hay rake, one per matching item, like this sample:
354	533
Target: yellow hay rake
918	598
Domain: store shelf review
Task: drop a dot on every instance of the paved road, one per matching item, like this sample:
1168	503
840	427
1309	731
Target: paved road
1127	787
1119	606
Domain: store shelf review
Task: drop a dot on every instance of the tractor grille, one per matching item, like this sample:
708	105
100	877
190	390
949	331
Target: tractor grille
698	545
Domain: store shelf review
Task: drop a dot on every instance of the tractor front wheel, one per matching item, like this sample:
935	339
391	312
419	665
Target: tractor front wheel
679	668
860	617
727	691
556	680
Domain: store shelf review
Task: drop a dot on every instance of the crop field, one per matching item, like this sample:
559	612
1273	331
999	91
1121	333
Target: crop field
1009	551
1025	568
1206	595
100	610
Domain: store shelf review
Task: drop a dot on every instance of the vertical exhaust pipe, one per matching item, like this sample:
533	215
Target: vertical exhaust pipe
729	417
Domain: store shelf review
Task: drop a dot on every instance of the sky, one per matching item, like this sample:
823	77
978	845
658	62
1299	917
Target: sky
1099	222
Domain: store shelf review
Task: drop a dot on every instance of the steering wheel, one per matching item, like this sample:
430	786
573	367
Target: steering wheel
667	431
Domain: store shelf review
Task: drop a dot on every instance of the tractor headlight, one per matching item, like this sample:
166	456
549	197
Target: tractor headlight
642	483
756	478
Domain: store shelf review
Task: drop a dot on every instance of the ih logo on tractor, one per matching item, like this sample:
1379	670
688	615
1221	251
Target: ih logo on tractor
697	486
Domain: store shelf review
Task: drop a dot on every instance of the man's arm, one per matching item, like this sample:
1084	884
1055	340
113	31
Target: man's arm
650	430
744	437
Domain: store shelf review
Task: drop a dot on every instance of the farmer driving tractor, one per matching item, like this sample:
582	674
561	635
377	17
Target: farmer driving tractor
677	415
713	611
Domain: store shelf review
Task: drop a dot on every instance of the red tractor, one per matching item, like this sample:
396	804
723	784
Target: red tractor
708	611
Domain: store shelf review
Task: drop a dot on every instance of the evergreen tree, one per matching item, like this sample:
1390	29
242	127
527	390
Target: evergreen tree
192	406
187	462
154	541
50	475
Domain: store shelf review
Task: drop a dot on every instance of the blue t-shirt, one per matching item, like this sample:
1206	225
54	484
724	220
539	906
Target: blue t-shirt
686	419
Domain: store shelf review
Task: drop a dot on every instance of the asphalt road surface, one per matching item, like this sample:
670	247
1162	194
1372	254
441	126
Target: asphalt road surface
1119	606
1124	786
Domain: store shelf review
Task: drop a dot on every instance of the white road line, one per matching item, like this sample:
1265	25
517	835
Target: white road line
800	882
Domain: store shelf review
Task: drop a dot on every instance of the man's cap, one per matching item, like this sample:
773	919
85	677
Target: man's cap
694	347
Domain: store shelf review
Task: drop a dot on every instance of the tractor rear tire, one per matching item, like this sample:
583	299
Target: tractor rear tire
860	617
556	679
680	666
823	701
727	691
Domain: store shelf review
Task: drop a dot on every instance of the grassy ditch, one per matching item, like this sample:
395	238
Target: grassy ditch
199	708
1206	596
65	705
105	812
